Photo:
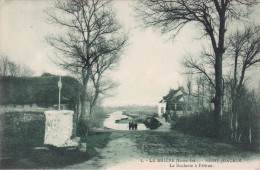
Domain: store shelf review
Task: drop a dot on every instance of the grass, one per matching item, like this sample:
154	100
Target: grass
177	144
18	139
96	140
21	155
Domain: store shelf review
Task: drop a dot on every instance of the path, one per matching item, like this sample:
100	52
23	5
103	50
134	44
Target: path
165	127
142	149
120	149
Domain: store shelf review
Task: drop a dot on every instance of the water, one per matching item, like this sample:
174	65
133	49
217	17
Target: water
110	122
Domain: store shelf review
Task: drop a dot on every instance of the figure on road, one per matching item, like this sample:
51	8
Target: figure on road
131	123
135	126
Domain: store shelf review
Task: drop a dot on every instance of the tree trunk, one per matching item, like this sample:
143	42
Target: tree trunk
84	100
84	116
218	70
85	77
218	95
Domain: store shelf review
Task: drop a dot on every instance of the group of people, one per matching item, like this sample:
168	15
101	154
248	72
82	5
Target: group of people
132	125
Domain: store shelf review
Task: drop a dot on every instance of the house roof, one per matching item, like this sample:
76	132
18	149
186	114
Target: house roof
43	89
174	95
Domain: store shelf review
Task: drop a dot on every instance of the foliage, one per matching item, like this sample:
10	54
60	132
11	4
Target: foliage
21	131
247	108
27	158
99	115
152	123
199	124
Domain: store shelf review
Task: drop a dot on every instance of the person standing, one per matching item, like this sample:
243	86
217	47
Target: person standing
130	125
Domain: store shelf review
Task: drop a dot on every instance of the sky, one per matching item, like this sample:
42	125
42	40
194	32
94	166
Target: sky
149	67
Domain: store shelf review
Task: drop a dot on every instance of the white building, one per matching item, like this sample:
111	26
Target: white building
161	108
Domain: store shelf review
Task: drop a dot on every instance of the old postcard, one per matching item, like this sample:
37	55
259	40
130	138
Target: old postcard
129	84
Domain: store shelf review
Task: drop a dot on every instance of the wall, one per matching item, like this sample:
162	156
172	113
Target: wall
160	106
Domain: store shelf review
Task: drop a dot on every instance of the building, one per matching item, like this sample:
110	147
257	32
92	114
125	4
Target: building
38	92
175	103
161	108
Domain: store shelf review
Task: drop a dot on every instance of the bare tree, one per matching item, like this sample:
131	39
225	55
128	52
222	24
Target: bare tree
244	49
26	71
210	15
189	81
100	84
90	31
10	68
204	66
14	69
4	61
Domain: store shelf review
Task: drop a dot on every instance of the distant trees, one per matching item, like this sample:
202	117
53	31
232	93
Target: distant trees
244	53
90	42
210	15
10	68
4	65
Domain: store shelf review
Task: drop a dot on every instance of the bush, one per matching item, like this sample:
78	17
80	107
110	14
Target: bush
247	107
152	123
28	127
200	124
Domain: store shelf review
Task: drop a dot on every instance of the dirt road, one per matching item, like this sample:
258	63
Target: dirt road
143	149
164	149
121	149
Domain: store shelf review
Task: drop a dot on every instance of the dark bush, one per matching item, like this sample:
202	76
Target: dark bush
200	124
28	127
152	123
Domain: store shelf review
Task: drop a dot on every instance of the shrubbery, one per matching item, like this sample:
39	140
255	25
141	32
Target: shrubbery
200	124
152	123
20	132
28	127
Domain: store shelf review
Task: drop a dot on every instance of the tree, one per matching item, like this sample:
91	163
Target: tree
204	66
210	15
244	51
4	61
26	71
90	31
14	69
10	68
244	48
100	85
